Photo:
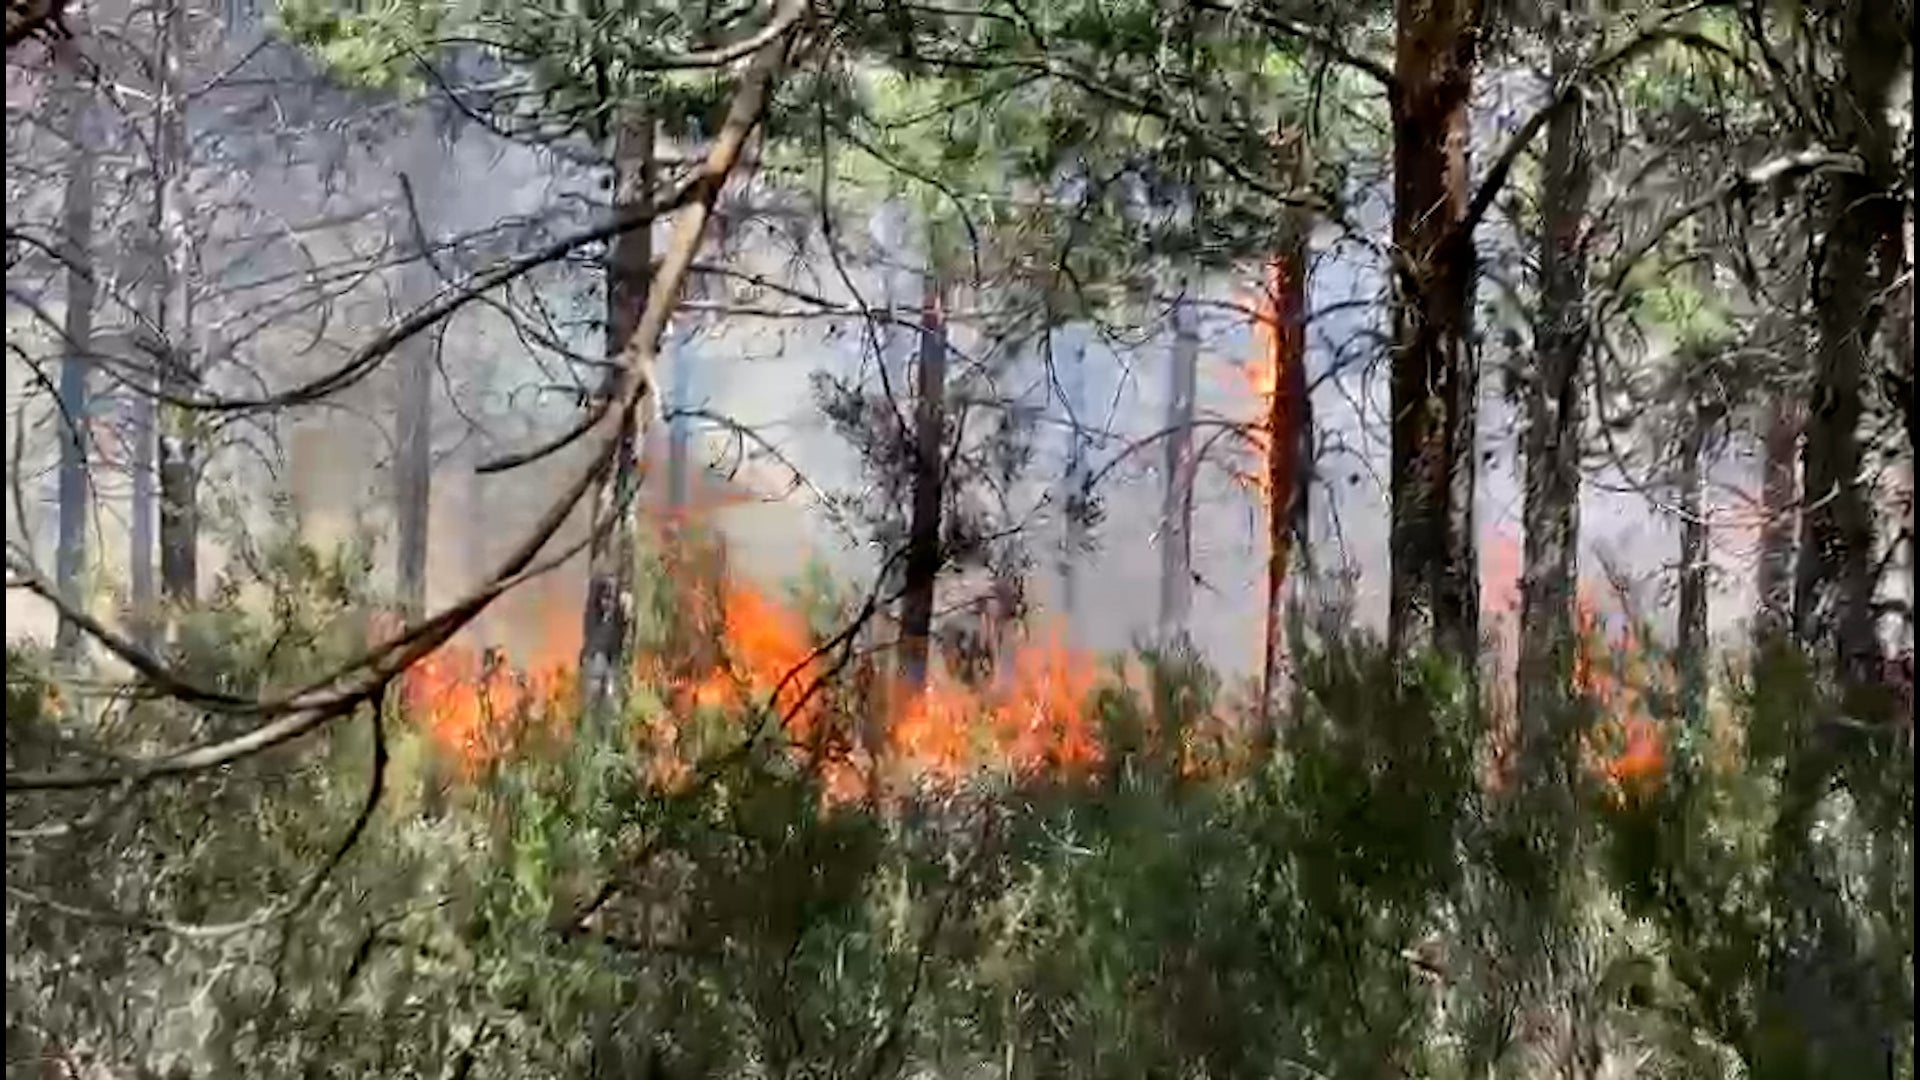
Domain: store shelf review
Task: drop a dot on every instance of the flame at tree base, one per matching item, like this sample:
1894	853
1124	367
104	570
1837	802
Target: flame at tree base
747	664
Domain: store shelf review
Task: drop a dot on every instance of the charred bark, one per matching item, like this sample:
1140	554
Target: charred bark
1834	586
608	623
1551	509
924	554
1433	597
75	422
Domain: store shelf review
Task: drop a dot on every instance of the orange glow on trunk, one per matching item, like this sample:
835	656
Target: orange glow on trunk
1277	375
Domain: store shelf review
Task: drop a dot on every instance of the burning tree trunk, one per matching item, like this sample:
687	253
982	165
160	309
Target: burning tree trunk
77	328
610	569
1691	636
1779	507
1288	438
179	459
413	471
1833	601
1433	598
929	478
1551	512
1176	503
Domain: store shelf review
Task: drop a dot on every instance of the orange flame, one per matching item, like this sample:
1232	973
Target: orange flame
1035	719
1628	747
1611	668
475	705
1277	374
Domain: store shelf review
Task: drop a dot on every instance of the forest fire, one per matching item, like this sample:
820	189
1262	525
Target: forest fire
1277	375
1282	439
1626	746
470	700
475	704
1612	669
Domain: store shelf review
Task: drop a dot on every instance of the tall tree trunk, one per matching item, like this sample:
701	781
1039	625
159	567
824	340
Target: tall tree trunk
74	399
1780	512
1071	362
1899	387
1691	636
929	481
142	599
1176	502
413	469
1433	597
1551	509
1833	594
606	635
1821	977
1289	467
179	463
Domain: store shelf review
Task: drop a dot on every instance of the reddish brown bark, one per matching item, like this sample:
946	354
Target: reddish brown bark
1433	599
1288	450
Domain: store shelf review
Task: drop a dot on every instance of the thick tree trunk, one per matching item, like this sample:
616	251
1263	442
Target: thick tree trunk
413	468
179	458
74	400
1691	634
1780	513
1820	977
607	631
1289	464
1833	595
1433	600
924	554
1551	509
1833	592
1176	500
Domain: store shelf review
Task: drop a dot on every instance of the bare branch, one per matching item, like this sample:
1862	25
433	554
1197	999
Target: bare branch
366	677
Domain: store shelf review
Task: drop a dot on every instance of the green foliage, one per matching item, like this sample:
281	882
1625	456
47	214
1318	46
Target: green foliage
373	46
1363	902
